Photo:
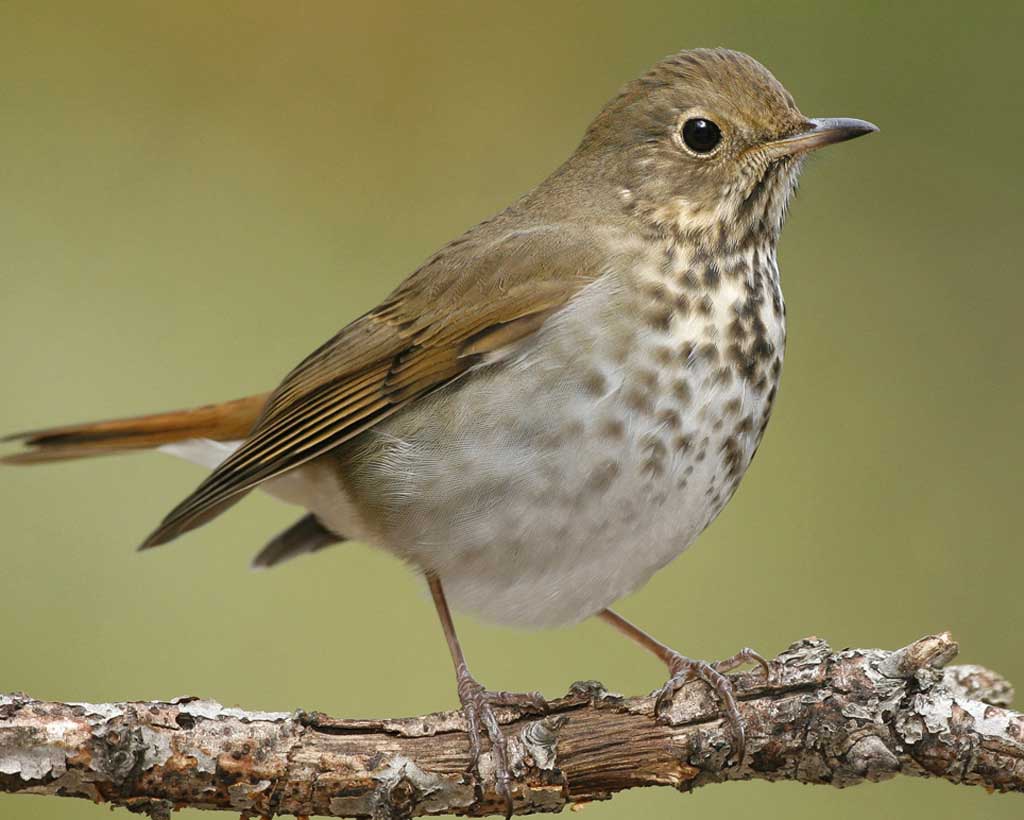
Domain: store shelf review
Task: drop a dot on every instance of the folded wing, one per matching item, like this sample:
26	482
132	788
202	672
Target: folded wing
481	295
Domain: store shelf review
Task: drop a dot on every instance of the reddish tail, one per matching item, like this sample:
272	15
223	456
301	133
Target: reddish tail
228	421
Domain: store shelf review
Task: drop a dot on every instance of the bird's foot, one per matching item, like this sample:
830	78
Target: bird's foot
478	706
683	670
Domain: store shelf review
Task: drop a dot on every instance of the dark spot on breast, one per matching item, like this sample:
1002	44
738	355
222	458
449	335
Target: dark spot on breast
708	352
656	292
602	477
744	363
620	353
762	349
683	444
612	428
747	309
732	455
737	331
648	379
705	306
550	439
712	275
723	376
669	418
668	262
639	400
654	461
573	429
658	317
732	407
595	383
664	355
681	390
748	241
740	269
689	280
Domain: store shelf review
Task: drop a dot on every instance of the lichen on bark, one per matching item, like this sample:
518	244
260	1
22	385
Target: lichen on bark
822	717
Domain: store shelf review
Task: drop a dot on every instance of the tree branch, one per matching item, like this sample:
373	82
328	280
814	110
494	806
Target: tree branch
824	717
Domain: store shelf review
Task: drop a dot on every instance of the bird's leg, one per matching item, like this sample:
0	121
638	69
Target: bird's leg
478	703
682	669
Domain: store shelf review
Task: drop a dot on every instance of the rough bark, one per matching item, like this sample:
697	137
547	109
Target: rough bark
824	717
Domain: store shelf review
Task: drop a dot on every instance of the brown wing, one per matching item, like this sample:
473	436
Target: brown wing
480	294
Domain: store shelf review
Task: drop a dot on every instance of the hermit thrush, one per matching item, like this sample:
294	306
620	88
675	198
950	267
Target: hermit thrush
557	402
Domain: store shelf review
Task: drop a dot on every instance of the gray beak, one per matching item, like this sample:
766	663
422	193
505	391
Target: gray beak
822	132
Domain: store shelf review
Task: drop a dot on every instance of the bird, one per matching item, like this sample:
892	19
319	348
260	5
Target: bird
556	403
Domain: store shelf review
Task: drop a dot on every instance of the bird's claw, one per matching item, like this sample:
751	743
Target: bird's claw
683	670
745	655
478	706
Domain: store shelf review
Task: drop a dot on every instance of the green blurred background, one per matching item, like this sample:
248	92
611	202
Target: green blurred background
193	195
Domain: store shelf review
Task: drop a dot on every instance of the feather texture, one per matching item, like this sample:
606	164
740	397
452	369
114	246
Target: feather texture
483	294
305	535
228	421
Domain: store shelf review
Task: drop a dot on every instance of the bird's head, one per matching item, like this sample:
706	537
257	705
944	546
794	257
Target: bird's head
708	144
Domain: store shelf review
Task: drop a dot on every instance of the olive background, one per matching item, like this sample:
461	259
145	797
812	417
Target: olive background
194	195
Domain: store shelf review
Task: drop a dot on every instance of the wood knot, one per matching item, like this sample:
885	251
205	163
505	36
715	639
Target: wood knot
929	652
540	740
871	759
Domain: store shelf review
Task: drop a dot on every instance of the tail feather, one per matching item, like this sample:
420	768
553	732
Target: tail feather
228	421
305	535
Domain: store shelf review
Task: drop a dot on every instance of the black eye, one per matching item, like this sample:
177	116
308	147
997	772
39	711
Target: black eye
701	136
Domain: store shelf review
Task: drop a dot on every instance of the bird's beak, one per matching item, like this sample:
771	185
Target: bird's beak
821	133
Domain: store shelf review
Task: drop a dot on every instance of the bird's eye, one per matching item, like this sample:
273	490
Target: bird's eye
701	136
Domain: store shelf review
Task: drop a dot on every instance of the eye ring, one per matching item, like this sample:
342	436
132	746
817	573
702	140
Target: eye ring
701	136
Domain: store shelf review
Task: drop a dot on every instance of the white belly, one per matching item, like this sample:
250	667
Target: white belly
543	491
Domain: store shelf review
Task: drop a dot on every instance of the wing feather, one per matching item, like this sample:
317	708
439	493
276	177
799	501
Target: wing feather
477	297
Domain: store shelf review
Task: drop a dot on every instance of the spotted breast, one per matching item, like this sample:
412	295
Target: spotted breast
638	409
